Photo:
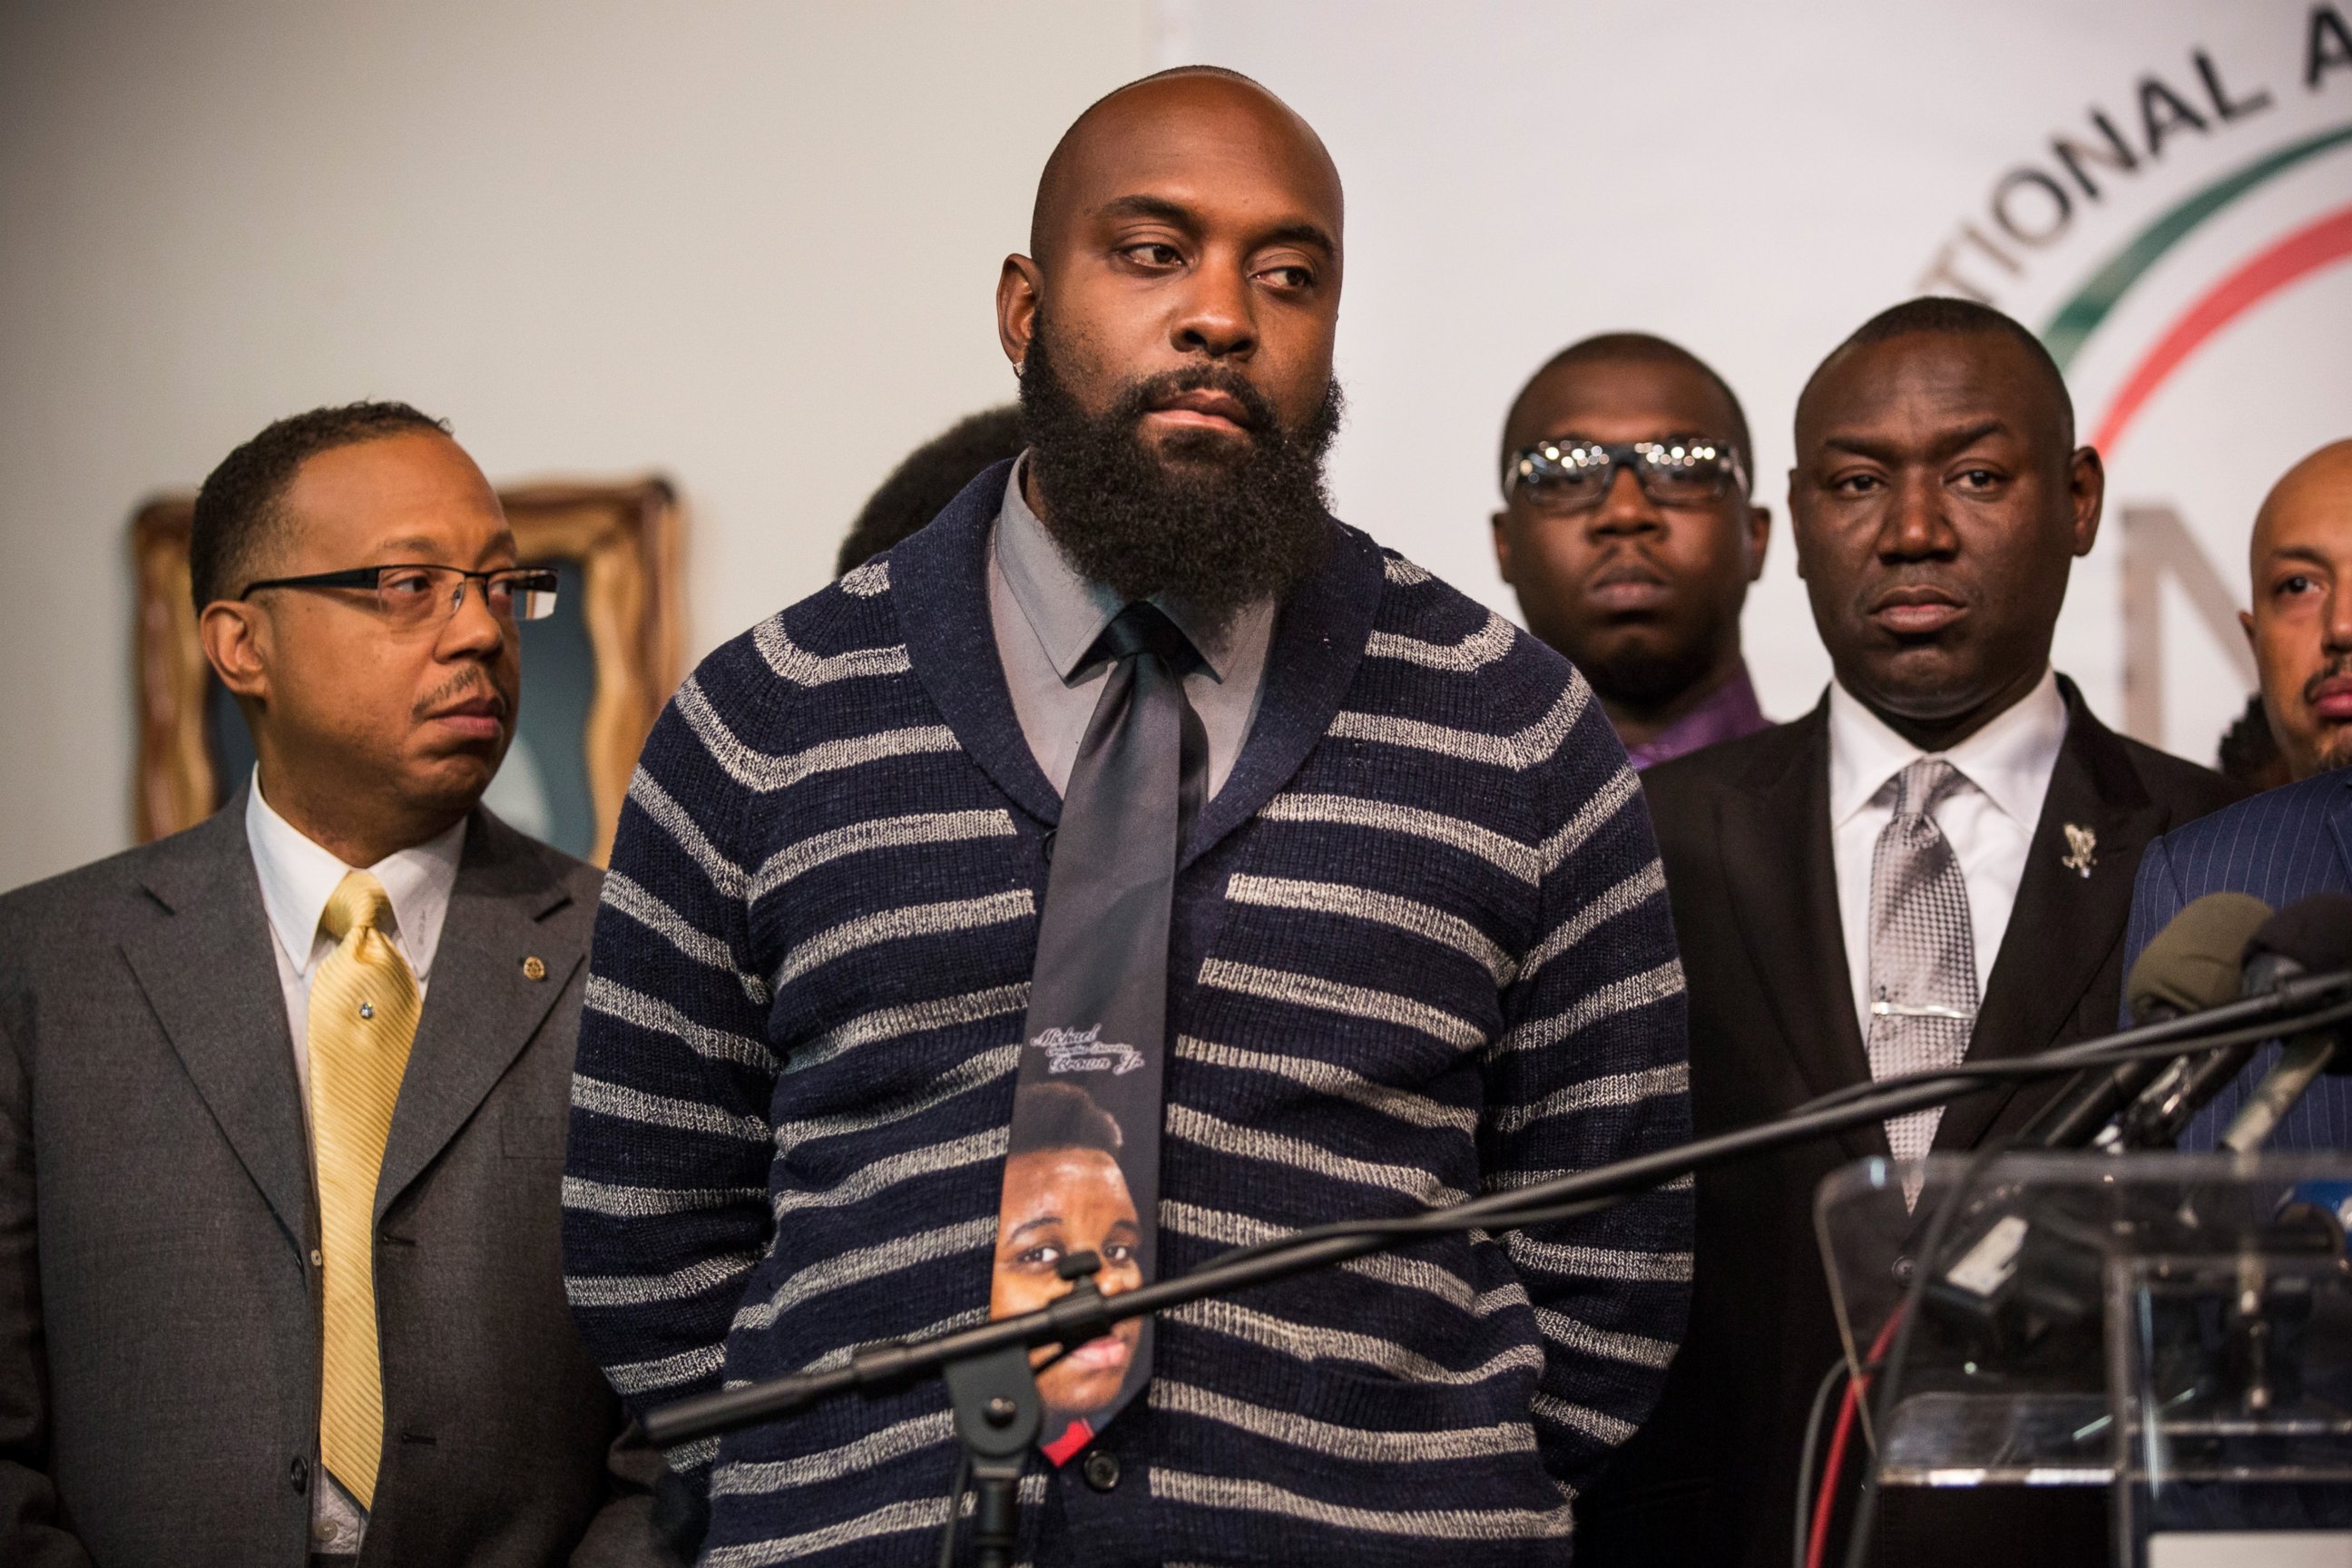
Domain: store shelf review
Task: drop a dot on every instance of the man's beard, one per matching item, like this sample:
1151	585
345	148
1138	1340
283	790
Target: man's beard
2335	749
1645	677
1216	523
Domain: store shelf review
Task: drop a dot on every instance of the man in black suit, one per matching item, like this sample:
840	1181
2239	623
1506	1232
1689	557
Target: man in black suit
1936	861
283	1097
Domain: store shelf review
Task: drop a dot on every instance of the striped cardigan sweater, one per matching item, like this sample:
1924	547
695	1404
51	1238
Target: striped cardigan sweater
1421	950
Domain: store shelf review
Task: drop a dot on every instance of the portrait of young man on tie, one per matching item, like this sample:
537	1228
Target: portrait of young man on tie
1935	864
282	1098
1134	864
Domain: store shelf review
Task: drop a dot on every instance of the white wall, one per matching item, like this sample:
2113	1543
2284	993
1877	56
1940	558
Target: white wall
752	245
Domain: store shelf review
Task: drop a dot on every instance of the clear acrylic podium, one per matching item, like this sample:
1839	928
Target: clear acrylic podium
2175	1328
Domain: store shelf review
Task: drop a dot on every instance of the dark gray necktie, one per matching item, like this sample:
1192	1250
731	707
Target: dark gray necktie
1922	971
1082	1168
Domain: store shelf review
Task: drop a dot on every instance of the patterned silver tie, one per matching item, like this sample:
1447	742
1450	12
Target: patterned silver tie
1922	971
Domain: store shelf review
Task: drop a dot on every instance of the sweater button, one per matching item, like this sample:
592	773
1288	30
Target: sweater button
1101	1470
297	1474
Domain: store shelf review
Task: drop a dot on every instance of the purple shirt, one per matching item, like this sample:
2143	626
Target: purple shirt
1729	713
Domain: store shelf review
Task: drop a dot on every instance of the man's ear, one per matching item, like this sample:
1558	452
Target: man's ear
1019	287
1502	523
1796	539
1759	535
2246	624
236	636
2087	484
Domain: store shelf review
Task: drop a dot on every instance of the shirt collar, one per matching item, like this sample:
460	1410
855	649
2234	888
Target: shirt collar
298	875
2010	759
1068	611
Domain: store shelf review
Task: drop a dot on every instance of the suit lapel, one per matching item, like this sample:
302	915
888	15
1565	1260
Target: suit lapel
2065	926
1782	877
209	976
2339	822
481	1007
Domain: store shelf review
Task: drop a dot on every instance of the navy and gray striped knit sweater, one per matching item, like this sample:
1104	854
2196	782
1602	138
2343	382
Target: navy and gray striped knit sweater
1421	950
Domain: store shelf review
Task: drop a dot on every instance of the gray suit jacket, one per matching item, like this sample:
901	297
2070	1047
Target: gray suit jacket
159	1312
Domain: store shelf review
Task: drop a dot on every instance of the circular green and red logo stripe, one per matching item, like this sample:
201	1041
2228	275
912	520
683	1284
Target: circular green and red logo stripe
2303	252
2308	249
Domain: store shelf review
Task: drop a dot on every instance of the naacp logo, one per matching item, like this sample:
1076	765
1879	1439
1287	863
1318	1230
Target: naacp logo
1085	1050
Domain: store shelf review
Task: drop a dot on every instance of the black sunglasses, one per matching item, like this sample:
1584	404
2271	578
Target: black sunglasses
1575	475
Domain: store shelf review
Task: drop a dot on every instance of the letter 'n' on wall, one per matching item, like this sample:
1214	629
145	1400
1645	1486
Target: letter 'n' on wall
2158	545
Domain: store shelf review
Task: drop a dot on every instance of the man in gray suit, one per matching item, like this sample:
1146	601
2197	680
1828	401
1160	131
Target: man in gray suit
283	1097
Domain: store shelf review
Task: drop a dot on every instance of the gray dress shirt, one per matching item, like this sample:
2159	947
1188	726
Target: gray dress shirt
1045	616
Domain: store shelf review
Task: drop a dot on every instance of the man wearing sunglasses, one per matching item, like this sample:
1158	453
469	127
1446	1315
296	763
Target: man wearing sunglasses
1934	865
1628	532
283	1096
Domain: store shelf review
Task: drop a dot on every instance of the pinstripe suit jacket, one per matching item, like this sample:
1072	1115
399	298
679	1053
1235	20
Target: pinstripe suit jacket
2280	846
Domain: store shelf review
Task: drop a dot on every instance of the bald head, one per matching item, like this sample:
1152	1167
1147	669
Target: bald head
2313	496
1203	111
1186	226
2301	622
1173	330
1936	507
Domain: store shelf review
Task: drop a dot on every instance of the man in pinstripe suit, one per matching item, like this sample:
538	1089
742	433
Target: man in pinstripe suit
2291	842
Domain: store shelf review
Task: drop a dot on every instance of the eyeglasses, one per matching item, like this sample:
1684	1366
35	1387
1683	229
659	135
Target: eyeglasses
412	595
1575	475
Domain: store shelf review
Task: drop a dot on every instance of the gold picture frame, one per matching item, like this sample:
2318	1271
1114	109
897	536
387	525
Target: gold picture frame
619	542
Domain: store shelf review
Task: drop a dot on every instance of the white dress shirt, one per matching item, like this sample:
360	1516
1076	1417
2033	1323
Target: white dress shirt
1989	821
298	877
1045	616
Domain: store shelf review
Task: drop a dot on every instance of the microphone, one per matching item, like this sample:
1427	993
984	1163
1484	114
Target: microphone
2188	980
1995	1280
2192	964
2312	936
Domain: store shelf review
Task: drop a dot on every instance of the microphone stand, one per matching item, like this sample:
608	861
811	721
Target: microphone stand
997	1409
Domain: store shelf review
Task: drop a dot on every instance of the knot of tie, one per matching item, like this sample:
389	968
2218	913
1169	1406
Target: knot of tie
1921	787
1142	628
358	902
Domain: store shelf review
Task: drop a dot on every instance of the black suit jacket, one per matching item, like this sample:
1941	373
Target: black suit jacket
159	1313
1744	828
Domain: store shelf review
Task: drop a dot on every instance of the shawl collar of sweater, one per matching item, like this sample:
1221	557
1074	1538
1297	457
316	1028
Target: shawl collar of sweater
940	573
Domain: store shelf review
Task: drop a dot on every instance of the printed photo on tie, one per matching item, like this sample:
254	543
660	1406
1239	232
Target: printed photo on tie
1068	1191
1082	1157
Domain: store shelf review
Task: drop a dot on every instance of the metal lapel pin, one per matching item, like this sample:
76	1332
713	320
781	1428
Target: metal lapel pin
2082	849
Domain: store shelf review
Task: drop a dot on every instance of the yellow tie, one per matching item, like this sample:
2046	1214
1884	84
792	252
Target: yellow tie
363	1010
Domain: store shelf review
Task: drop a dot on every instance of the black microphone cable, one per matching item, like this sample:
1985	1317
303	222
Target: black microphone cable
1967	1078
1884	1396
1806	1456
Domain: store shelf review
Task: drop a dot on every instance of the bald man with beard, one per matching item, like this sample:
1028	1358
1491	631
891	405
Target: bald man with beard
2301	622
1380	920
